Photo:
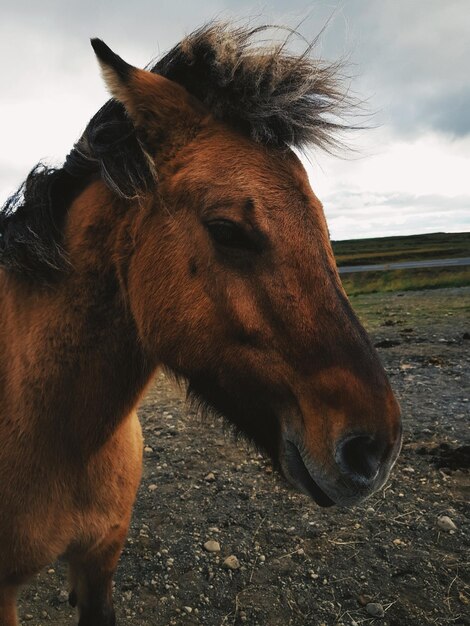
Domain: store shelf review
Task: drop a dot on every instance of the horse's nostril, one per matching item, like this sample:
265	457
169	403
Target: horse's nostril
359	457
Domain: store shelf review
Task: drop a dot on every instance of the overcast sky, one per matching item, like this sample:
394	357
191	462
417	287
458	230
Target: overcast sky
409	59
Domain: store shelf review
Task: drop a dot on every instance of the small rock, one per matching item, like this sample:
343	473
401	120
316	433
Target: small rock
375	609
63	597
387	343
445	523
231	562
188	609
148	449
28	617
152	487
262	558
210	477
212	546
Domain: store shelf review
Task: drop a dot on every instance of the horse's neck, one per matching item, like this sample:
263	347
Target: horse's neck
75	366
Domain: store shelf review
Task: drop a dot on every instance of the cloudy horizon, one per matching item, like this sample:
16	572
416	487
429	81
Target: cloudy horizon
408	173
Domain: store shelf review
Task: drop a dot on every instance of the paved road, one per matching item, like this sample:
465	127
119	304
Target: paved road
348	269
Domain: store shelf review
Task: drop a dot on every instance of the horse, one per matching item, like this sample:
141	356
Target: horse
181	233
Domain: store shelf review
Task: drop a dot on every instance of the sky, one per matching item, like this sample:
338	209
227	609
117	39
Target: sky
408	172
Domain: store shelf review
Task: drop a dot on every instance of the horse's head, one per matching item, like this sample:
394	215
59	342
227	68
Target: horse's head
233	285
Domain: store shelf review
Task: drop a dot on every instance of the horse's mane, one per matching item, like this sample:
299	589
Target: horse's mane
276	97
273	95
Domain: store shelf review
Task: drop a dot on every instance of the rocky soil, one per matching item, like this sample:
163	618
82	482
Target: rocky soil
275	558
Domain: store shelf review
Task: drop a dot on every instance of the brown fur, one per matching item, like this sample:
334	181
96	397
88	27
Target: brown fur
264	336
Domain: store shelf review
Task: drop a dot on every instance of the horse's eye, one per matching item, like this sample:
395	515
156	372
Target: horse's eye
227	234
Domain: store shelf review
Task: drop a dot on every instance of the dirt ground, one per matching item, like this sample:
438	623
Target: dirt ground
301	565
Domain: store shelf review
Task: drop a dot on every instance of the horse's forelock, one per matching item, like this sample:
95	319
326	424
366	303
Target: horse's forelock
277	97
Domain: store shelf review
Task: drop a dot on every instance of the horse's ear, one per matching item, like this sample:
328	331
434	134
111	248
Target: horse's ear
116	72
148	98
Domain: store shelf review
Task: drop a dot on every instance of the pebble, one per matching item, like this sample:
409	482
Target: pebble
63	597
188	609
210	477
148	449
445	523
375	609
152	487
212	546
231	562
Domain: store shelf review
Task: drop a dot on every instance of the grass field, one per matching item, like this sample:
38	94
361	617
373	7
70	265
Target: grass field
404	280
394	249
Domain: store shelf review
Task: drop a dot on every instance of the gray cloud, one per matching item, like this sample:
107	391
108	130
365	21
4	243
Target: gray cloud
395	213
415	57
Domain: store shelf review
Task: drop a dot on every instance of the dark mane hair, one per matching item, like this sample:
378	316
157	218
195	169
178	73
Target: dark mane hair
275	97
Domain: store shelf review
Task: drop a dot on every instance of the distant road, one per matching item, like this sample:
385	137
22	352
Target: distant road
348	269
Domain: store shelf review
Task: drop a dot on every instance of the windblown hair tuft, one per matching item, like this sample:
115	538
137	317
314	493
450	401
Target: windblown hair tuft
275	96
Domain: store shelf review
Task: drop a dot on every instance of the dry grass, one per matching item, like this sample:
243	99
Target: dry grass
404	280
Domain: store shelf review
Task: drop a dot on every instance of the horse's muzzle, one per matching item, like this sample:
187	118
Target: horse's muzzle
360	466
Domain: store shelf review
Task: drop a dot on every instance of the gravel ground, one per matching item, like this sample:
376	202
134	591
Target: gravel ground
396	560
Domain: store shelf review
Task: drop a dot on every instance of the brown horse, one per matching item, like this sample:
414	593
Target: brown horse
182	233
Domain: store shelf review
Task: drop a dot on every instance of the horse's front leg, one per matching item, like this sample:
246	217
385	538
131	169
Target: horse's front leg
91	577
8	615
